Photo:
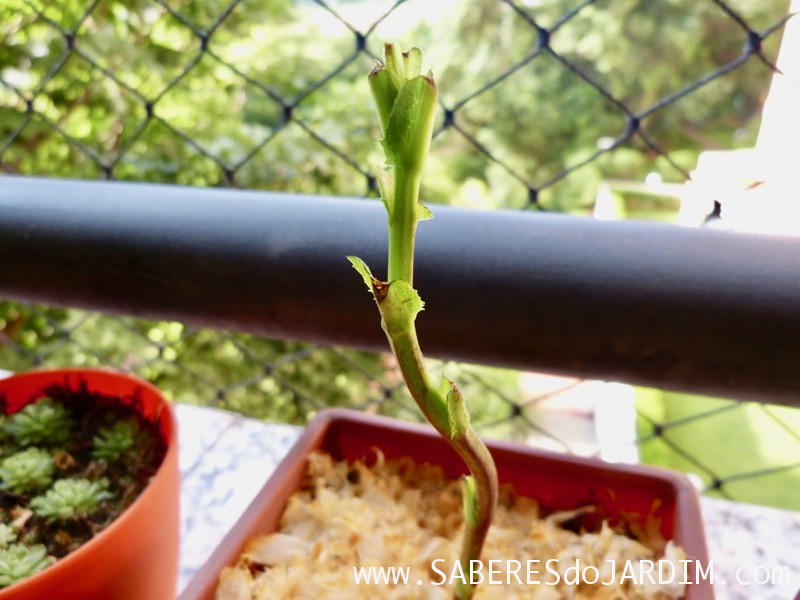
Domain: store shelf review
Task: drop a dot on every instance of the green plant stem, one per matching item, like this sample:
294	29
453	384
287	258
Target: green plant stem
405	347
431	401
403	225
481	465
467	444
406	103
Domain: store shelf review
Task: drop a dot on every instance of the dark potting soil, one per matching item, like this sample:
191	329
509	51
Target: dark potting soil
127	476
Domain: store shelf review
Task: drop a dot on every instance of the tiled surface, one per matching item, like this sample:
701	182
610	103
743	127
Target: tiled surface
226	458
753	539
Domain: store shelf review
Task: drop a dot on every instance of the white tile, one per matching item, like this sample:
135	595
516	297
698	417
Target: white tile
220	486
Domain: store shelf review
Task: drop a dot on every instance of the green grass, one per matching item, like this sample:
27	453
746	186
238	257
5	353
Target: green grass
753	449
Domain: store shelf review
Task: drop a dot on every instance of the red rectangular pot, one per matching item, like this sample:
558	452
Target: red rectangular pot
556	481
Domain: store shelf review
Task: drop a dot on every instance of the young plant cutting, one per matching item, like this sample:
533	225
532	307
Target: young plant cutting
364	507
406	104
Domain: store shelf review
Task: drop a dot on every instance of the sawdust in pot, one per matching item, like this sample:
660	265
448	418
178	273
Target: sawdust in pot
399	514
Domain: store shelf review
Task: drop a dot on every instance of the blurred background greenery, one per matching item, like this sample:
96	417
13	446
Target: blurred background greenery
271	94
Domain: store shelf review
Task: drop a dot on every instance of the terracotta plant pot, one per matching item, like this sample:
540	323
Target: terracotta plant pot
136	556
556	481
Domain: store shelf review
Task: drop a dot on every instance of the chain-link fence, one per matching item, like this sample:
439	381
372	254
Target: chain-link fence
542	104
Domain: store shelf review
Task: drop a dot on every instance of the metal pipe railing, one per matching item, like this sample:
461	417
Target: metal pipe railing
707	311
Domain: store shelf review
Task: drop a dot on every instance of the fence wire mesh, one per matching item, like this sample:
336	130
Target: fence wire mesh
541	104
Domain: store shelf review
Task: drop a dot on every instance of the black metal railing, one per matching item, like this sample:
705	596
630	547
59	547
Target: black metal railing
651	304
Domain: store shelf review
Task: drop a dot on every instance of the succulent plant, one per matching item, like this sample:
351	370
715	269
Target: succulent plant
27	471
7	535
18	562
70	496
42	422
111	442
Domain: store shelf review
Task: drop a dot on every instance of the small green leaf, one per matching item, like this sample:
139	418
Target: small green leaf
395	65
407	137
423	213
470	499
7	535
386	187
457	412
445	385
362	268
384	89
413	62
399	307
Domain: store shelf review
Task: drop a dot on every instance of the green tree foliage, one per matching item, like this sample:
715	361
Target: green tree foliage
545	118
257	81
